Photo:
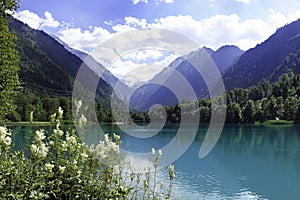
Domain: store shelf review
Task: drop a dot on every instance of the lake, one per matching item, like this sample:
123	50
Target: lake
248	162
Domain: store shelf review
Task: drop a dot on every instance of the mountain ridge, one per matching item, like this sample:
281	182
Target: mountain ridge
150	94
99	69
47	68
257	64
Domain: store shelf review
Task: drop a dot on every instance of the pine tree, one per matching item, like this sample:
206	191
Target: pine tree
9	60
249	112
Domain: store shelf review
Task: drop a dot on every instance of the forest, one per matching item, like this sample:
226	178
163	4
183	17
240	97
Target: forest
277	101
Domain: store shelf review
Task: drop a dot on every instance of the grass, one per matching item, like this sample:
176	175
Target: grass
278	122
43	123
27	123
36	123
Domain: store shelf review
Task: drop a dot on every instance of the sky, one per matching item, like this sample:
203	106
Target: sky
84	25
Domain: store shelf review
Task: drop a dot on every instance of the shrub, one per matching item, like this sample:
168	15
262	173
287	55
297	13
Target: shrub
60	166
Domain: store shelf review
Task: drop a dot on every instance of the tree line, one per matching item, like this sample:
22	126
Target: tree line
277	101
44	106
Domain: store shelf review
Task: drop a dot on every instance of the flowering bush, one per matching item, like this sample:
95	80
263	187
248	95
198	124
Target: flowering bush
60	166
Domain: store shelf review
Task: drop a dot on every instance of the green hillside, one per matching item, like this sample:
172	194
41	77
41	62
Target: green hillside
47	73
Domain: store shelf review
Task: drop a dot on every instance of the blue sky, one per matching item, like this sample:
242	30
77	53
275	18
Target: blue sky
85	24
89	14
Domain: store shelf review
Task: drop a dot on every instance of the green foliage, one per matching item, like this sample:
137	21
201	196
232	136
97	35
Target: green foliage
44	106
277	101
248	112
233	114
9	65
8	6
269	102
278	122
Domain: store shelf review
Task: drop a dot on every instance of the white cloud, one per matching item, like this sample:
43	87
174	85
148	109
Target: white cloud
134	77
84	40
156	1
217	30
281	19
139	1
35	21
141	65
214	31
165	1
244	1
131	23
143	54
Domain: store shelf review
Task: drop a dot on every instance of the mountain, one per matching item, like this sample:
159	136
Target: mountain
209	50
279	54
268	60
99	69
47	68
225	56
150	93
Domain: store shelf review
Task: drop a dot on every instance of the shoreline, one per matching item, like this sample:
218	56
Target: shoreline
37	123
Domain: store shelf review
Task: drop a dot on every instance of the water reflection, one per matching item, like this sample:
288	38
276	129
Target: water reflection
248	162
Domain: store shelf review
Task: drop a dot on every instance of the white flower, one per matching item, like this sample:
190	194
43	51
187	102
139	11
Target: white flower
106	138
7	141
33	149
49	167
31	117
71	140
2	137
60	112
52	118
43	150
84	156
51	143
153	151
3	130
58	131
40	135
82	121
78	105
57	124
64	146
107	151
61	169
171	172
117	137
5	136
159	153
39	151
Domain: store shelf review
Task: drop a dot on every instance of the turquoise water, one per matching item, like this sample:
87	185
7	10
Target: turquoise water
248	162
